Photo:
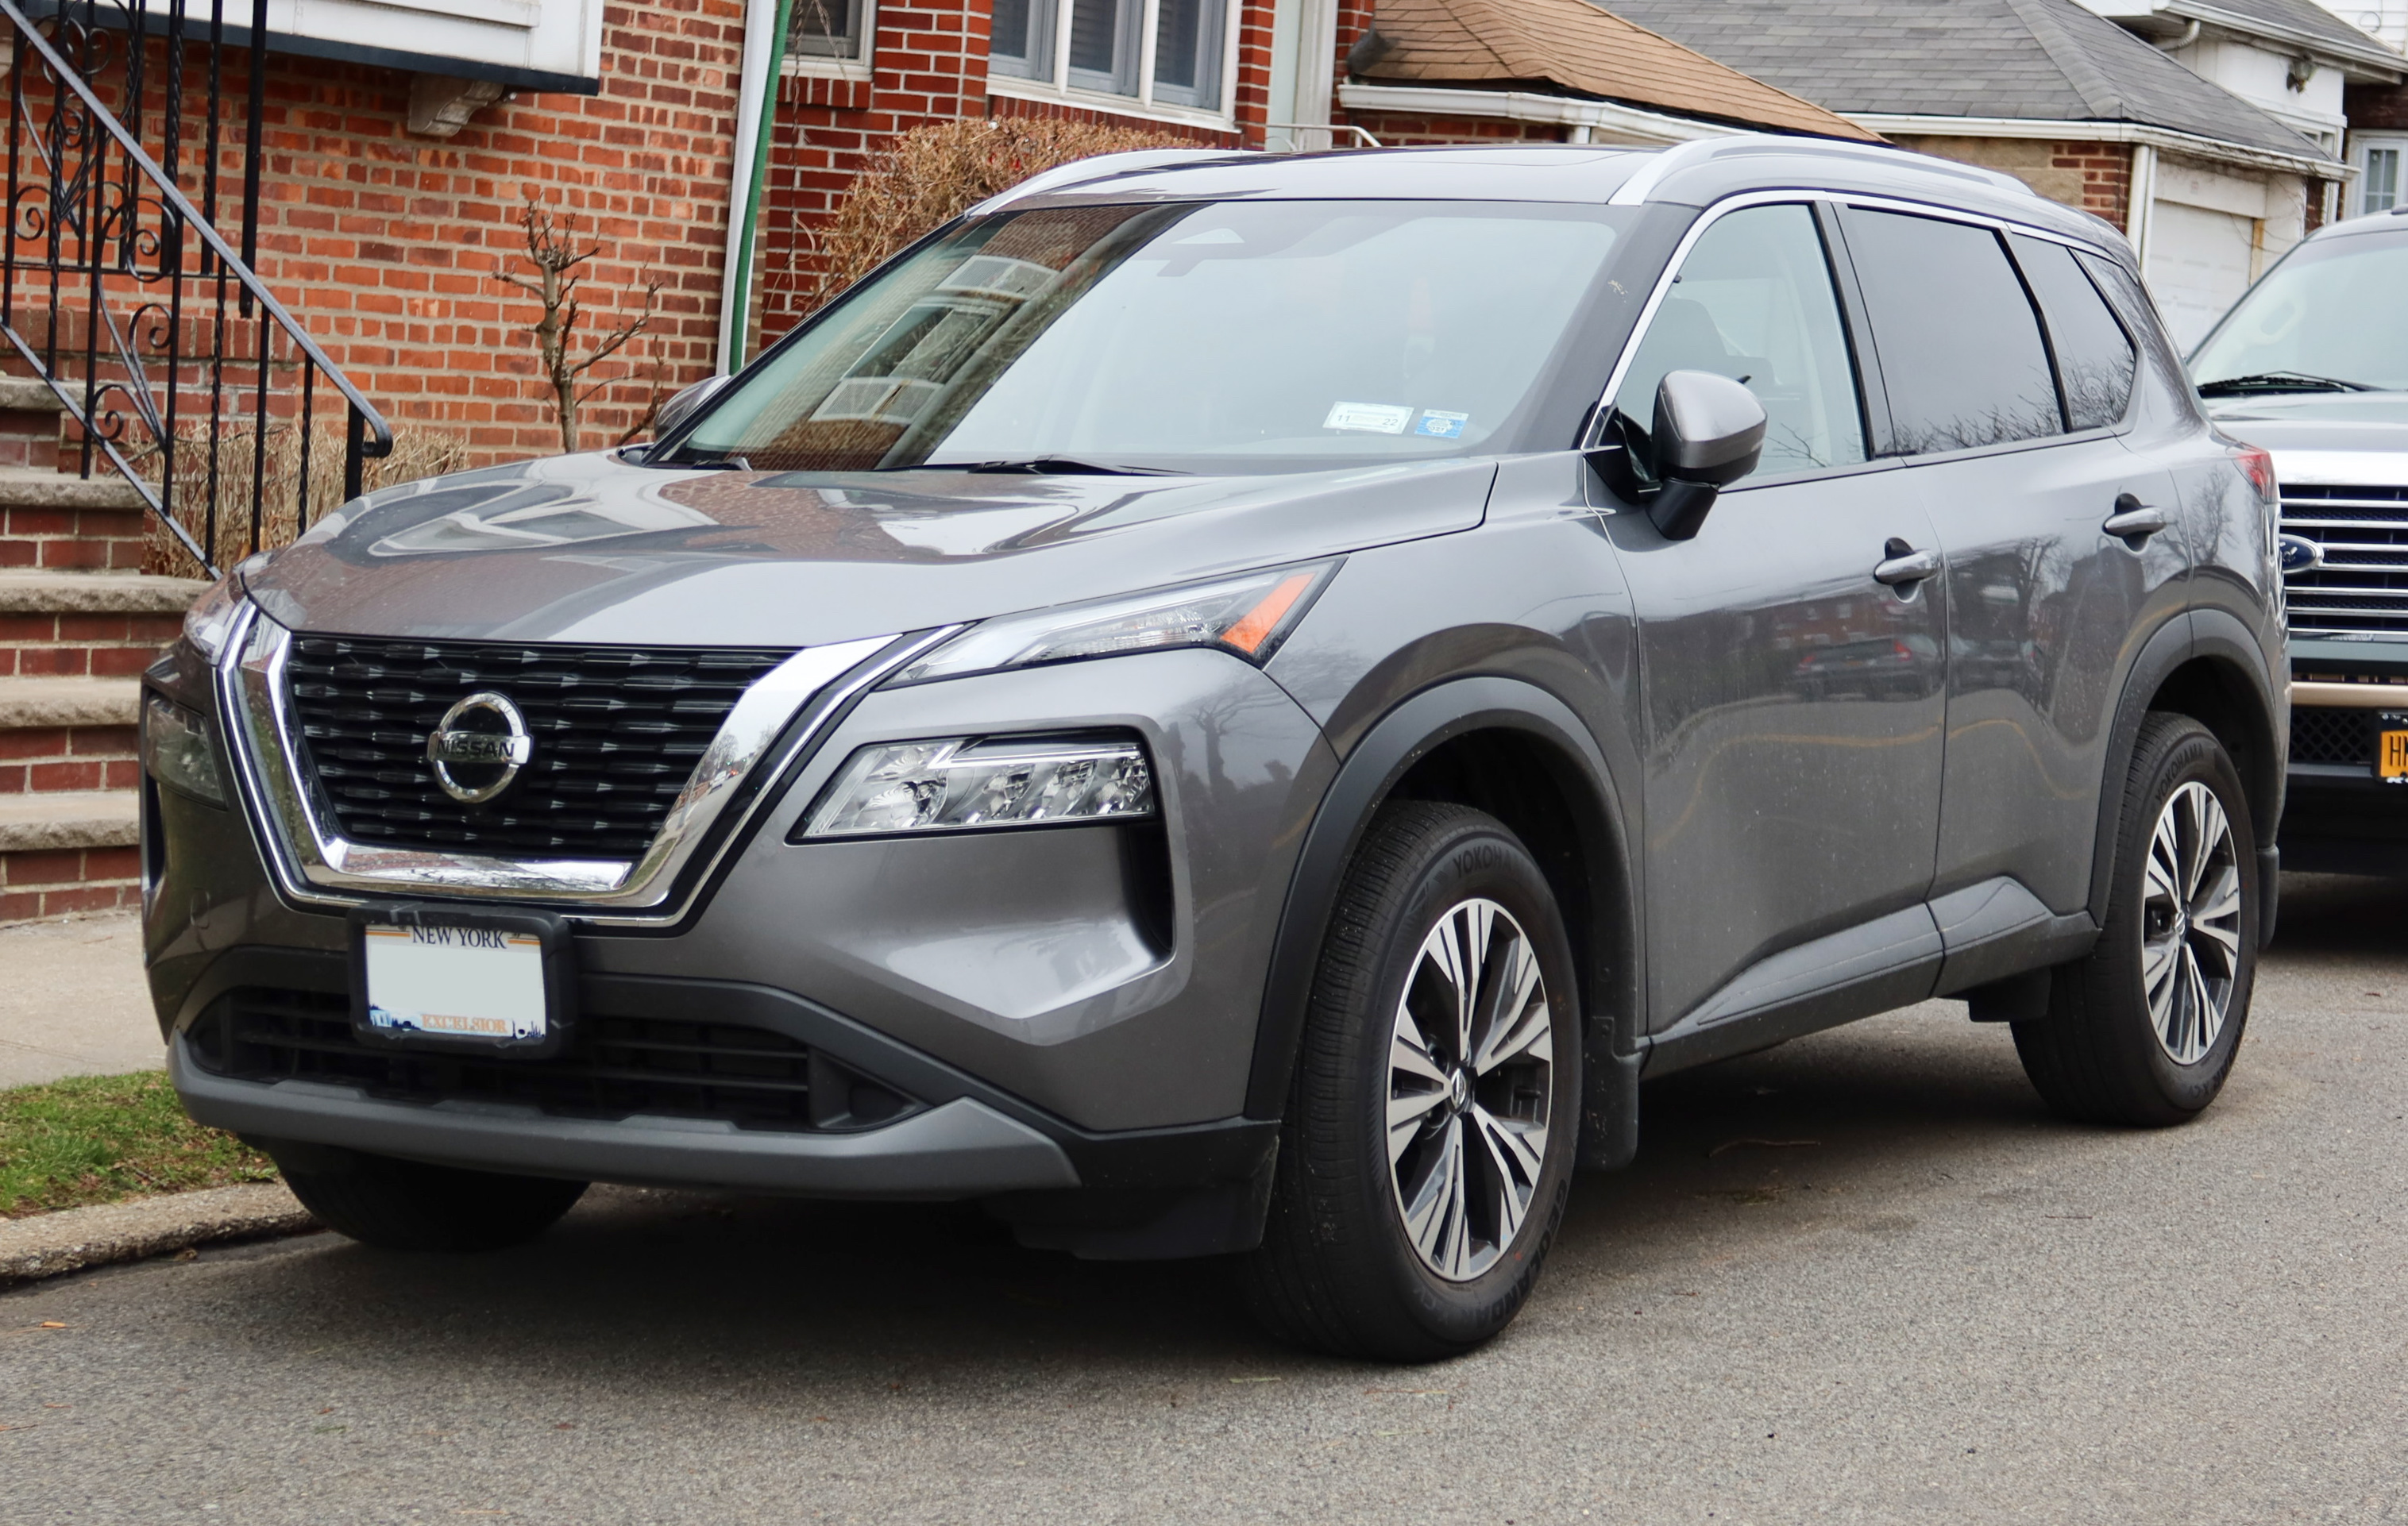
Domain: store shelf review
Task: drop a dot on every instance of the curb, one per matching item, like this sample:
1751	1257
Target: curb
52	1245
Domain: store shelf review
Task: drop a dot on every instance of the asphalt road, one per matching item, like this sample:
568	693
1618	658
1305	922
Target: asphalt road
1860	1277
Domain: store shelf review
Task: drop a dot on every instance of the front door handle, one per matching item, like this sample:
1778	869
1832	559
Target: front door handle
2134	522
1903	566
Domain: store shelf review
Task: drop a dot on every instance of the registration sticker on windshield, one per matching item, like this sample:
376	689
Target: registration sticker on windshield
1371	418
1446	426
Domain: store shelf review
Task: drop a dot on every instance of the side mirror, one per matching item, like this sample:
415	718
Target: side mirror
1708	434
689	401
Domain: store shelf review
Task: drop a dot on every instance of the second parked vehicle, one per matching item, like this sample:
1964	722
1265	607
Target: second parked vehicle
1229	704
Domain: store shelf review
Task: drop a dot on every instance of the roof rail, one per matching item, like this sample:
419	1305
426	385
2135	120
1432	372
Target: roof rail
1102	166
1681	156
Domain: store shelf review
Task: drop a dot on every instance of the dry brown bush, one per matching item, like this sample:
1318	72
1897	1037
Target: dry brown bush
416	453
935	174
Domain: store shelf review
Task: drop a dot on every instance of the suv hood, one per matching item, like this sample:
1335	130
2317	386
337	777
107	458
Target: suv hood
2355	439
591	549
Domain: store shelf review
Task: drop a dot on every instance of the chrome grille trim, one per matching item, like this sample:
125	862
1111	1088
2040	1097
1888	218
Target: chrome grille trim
314	865
2361	586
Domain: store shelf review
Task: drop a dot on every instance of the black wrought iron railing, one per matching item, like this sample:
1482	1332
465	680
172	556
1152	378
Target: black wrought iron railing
176	369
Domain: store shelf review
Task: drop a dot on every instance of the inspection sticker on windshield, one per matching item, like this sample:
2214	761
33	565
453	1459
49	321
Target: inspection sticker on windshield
1371	418
460	982
1446	426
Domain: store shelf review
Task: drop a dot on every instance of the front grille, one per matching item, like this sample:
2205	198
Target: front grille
2362	588
2322	736
617	731
610	1068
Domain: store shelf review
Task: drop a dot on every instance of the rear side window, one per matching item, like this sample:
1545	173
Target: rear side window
2094	354
1961	347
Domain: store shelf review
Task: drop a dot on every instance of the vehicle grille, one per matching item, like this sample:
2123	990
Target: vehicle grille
2325	736
617	731
611	1067
2363	585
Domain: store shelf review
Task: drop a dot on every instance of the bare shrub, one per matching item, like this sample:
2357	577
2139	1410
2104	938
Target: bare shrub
416	453
933	174
552	249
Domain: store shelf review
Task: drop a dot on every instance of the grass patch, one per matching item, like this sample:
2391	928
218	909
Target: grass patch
99	1138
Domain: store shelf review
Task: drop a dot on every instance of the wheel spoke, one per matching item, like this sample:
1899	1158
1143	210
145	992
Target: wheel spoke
1409	1055
1479	920
1520	1023
2220	898
2161	877
1516	1167
1434	1215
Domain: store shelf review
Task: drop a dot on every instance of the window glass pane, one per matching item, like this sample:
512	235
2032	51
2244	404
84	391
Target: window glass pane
1237	338
1103	37
1016	45
1187	52
2382	180
2094	354
1754	303
1961	350
827	28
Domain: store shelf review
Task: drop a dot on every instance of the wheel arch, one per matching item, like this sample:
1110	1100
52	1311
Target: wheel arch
2209	667
1506	747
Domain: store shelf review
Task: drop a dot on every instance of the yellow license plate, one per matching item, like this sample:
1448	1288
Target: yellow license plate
2391	757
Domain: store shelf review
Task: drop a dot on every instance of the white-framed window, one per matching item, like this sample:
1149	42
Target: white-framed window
1166	53
2379	162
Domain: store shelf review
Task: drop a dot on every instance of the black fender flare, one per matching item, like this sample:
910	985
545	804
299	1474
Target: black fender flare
1416	726
2192	634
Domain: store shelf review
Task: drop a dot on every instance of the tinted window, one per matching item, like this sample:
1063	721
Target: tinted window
1753	301
2094	354
1960	349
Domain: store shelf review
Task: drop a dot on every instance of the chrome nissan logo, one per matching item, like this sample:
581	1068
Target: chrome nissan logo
478	748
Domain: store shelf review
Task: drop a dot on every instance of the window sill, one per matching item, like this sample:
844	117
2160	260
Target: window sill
1014	87
793	67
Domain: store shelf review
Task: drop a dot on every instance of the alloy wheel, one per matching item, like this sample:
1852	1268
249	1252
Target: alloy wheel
2190	922
1471	1079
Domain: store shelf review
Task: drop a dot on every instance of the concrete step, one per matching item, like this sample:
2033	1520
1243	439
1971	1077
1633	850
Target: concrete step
28	425
59	734
88	625
69	524
68	852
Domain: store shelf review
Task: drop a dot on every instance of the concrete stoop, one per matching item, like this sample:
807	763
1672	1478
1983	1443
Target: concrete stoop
79	622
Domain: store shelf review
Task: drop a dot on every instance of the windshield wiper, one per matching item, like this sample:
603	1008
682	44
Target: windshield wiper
1045	466
2279	381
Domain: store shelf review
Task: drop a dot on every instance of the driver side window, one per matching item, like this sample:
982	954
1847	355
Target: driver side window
1753	302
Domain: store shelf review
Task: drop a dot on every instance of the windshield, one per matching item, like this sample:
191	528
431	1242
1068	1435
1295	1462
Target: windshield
1213	337
2335	311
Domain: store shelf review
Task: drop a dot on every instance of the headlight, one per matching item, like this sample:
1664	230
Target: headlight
175	750
963	782
1248	616
209	622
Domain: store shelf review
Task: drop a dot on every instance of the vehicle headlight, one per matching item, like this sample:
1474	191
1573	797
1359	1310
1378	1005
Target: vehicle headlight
1248	616
962	782
175	750
207	622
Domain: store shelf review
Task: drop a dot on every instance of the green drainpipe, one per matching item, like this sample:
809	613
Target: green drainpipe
747	235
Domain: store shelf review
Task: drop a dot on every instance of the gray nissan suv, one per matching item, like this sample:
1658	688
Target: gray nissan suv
1222	704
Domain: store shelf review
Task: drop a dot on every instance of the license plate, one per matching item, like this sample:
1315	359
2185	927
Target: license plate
451	979
2391	750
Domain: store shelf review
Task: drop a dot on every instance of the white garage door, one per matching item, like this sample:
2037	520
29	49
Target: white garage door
2199	267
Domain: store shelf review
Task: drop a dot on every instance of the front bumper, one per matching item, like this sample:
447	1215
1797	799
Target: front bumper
2338	817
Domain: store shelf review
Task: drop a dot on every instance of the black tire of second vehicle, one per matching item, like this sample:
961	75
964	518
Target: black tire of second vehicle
1335	1271
2095	1056
409	1206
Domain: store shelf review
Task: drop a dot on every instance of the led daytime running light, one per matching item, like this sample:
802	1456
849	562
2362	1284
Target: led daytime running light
963	783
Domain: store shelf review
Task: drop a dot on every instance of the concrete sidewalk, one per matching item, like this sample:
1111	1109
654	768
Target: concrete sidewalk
73	1000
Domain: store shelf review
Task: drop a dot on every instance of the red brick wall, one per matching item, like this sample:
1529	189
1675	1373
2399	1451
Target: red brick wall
2106	178
1395	130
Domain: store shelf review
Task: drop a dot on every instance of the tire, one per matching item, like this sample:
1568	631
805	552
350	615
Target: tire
406	1206
1486	1152
2130	1037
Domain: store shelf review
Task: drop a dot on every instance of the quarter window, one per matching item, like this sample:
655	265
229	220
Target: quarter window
2093	354
1105	51
1753	302
1961	356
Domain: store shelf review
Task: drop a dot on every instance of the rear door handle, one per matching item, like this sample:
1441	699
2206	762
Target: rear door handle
2134	522
1903	566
